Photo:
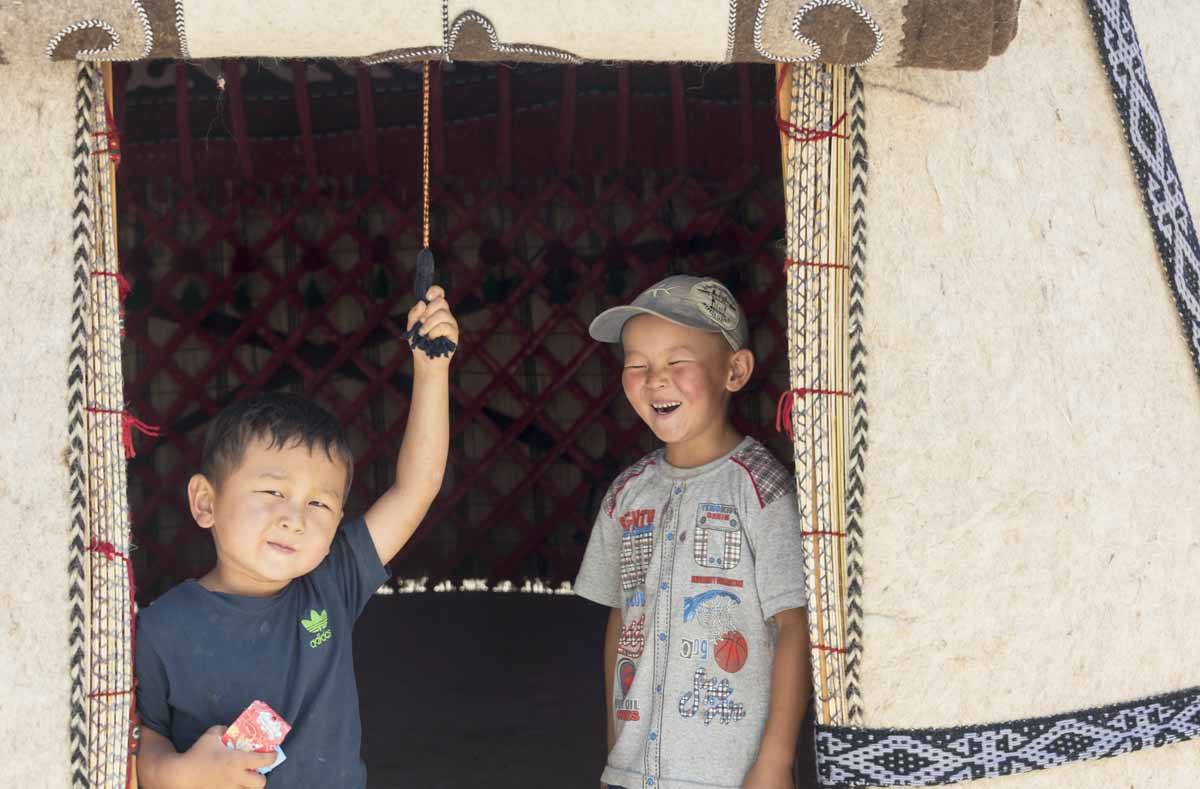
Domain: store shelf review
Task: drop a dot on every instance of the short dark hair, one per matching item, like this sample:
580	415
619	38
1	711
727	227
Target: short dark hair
282	420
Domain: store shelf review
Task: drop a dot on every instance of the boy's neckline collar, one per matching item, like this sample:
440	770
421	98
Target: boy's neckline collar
677	472
242	601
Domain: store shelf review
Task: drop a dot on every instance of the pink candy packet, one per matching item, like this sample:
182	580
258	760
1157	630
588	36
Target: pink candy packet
259	728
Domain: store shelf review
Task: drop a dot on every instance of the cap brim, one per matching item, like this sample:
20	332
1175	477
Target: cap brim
607	326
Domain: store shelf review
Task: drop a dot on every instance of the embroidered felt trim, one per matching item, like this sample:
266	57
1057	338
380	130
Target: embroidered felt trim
82	236
1146	138
928	757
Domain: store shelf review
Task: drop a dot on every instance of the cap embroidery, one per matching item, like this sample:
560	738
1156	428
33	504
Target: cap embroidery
716	303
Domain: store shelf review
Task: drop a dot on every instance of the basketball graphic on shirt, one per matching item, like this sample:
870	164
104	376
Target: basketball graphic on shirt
713	609
732	651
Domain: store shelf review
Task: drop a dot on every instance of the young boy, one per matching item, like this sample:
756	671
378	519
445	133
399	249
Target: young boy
697	551
273	619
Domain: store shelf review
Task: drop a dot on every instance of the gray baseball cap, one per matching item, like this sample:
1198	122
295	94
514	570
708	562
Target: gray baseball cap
698	302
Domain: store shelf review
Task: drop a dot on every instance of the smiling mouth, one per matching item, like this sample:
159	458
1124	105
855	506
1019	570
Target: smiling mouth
664	408
281	547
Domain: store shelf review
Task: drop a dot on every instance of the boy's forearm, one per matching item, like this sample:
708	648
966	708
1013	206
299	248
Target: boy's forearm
791	686
157	762
421	462
612	634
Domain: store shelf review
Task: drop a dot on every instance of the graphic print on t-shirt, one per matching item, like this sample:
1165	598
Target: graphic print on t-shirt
715	611
637	547
717	538
317	623
632	639
627	708
713	696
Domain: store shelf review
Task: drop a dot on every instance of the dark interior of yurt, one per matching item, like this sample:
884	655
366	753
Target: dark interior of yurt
269	221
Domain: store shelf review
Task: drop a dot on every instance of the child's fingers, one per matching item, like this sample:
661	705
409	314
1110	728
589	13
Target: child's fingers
440	324
247	764
435	312
446	329
252	780
439	303
261	759
415	314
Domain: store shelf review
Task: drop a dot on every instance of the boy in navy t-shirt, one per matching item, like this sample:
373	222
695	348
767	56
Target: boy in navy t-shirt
273	618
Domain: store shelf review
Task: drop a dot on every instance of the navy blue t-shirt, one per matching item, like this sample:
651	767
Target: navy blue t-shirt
202	657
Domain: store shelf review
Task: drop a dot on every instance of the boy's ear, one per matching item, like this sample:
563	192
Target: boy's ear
202	499
741	366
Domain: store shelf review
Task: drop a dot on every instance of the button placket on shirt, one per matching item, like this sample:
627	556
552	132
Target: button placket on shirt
662	627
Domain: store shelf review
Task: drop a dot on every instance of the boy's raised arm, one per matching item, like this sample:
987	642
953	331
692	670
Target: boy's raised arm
421	462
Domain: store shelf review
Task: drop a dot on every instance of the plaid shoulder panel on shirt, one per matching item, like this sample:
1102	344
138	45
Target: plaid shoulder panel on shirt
768	476
623	479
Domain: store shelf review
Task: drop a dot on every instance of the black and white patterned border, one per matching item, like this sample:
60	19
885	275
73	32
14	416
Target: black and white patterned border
82	239
925	757
928	757
858	388
1146	137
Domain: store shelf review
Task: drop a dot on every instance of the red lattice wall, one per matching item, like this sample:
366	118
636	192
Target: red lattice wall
269	231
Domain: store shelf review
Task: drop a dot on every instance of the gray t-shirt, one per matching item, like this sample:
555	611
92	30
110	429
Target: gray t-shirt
202	657
699	560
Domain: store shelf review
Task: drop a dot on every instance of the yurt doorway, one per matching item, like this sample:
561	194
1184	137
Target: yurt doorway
269	219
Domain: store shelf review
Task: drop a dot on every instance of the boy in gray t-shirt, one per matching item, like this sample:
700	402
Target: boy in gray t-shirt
697	550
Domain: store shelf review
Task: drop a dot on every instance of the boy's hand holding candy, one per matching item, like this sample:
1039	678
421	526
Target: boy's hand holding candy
208	764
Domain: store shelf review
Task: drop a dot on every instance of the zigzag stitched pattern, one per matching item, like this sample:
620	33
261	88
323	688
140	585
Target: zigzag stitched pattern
85	54
1146	137
77	426
147	29
181	31
928	757
858	376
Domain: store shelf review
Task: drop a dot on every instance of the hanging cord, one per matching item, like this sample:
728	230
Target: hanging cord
424	159
423	277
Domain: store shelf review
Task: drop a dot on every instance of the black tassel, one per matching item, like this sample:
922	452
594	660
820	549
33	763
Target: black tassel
422	282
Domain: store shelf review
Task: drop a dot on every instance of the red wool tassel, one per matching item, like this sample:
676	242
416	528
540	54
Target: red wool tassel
128	423
123	286
787	402
110	552
113	136
783	414
801	133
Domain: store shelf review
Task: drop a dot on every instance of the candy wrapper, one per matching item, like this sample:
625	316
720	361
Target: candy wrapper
259	728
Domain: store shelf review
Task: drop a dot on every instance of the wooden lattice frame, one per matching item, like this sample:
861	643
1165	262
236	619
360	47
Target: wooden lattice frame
101	577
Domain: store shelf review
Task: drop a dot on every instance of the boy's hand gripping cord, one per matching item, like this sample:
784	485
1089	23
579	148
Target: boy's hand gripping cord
423	279
433	347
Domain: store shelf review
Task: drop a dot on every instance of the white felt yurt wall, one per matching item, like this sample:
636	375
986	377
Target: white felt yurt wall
38	125
1031	497
1031	502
